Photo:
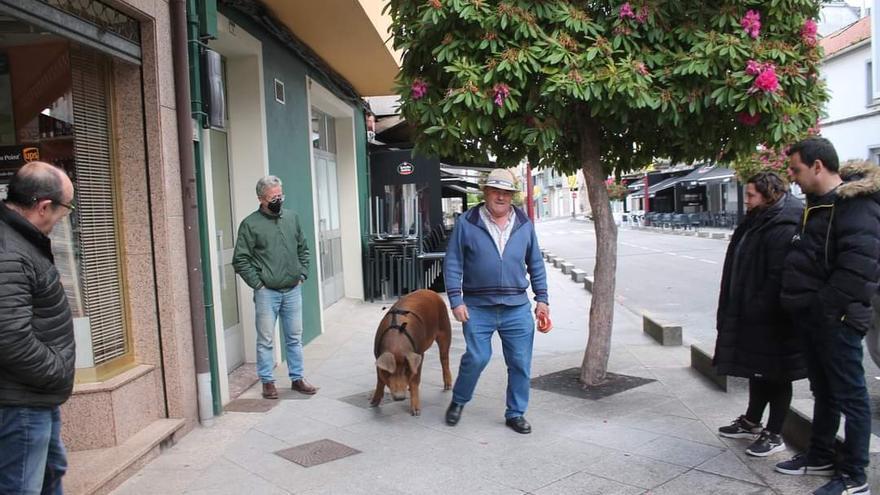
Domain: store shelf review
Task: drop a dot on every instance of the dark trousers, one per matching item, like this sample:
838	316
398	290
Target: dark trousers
763	392
837	379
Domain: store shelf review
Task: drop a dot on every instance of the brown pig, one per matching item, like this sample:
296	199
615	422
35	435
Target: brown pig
406	331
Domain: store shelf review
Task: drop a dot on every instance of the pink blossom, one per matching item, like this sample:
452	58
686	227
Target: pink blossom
418	89
626	11
766	80
809	31
642	16
748	119
753	67
641	68
751	23
502	91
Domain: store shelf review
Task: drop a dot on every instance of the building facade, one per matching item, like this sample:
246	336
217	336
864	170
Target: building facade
852	120
89	87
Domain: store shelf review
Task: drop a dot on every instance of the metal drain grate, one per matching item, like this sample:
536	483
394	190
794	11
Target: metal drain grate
251	405
315	453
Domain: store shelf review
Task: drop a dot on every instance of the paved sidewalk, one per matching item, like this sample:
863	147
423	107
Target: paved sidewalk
657	438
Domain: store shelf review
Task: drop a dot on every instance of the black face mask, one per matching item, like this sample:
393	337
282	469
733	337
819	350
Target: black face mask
275	205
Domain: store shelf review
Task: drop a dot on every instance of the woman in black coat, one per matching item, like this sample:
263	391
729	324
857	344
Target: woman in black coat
756	338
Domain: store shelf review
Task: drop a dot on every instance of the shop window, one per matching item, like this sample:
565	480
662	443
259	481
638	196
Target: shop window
55	107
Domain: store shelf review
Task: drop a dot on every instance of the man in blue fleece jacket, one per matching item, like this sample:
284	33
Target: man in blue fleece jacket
492	246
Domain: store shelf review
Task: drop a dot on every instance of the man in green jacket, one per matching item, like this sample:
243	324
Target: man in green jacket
272	257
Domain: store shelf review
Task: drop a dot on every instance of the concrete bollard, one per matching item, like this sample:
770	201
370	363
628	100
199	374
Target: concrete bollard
566	267
667	335
588	284
557	262
578	275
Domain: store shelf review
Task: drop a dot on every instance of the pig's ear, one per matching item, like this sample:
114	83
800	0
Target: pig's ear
414	360
386	362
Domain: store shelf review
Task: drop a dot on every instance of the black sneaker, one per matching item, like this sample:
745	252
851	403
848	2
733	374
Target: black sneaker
741	428
768	443
843	485
799	465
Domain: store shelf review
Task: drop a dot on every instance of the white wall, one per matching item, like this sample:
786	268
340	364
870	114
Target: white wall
852	123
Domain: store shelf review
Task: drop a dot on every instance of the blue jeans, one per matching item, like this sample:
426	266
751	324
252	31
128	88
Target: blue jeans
516	327
837	379
270	305
32	457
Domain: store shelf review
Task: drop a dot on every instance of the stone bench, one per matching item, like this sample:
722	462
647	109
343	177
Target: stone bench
701	360
566	267
557	262
550	257
578	275
667	335
704	235
719	235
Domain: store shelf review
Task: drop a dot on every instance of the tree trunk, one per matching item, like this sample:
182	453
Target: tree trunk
595	362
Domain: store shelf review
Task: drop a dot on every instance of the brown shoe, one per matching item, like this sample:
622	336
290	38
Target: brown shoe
269	391
303	387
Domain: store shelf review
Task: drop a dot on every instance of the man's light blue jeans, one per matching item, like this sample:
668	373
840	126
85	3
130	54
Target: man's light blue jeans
516	327
32	456
270	306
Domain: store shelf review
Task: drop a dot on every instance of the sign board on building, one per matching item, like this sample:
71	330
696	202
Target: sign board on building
405	168
546	200
13	157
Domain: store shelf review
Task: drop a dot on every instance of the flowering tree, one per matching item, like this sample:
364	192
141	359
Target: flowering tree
604	86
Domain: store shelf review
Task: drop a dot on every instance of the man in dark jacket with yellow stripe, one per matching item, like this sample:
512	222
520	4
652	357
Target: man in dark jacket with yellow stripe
37	349
272	257
831	275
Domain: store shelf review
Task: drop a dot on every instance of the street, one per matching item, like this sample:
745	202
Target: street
672	278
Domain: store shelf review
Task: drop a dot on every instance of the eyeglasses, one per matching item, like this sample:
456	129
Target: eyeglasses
70	206
279	197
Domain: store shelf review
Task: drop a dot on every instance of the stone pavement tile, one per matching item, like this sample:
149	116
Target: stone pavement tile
524	469
633	469
294	430
700	482
226	477
729	465
677	451
438	479
192	452
153	480
335	412
615	437
782	484
671	408
657	356
586	484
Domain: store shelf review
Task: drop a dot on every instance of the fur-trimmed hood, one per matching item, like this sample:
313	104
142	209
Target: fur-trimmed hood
860	178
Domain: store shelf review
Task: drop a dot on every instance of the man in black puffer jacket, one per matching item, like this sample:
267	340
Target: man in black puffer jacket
36	332
831	275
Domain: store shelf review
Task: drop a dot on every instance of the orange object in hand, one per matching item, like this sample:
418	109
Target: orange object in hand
544	323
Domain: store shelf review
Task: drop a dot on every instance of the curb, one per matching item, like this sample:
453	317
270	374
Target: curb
723	236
